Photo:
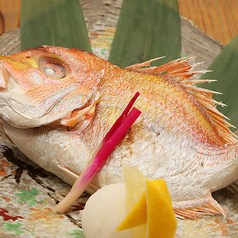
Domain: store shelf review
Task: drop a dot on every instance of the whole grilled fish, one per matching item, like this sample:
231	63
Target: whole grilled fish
57	104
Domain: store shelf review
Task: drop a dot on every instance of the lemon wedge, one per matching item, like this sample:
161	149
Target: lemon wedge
136	217
149	203
161	220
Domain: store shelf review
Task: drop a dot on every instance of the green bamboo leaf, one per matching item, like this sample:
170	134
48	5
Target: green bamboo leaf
147	29
53	22
225	71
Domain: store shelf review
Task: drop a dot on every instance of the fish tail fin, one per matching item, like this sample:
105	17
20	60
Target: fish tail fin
193	209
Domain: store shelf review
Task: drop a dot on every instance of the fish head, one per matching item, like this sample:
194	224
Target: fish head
48	85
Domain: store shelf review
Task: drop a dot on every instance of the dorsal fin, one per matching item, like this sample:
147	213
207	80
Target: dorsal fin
180	71
179	67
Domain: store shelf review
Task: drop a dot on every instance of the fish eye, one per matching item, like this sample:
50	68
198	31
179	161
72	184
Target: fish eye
53	68
49	71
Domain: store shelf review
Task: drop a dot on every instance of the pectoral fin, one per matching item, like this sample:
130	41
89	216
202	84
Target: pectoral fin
79	119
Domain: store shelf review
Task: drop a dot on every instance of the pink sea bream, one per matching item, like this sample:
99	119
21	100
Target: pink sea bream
57	104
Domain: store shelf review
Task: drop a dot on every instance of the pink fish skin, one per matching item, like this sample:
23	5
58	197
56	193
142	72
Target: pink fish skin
57	104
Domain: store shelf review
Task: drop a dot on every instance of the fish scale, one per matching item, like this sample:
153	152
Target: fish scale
59	121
